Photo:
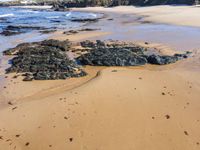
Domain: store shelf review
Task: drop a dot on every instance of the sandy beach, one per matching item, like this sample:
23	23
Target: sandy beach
179	15
112	108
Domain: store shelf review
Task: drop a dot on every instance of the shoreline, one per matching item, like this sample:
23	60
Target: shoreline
148	107
92	35
157	14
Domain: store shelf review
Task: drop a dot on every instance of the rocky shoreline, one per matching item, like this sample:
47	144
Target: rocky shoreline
46	60
49	60
65	5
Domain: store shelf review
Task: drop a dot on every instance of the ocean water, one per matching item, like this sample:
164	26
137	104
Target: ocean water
40	18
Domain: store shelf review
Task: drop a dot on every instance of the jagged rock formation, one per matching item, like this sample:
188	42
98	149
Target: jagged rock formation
46	60
122	54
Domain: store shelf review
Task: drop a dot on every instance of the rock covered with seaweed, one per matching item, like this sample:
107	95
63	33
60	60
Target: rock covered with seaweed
46	60
49	60
123	54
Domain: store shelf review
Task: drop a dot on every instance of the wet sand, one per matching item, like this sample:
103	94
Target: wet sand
147	108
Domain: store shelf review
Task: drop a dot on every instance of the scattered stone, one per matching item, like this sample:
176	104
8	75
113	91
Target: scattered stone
153	117
27	144
65	117
167	116
70	32
85	20
10	103
9	33
70	139
163	93
17	135
14	108
114	70
197	143
186	133
88	29
14	30
47	31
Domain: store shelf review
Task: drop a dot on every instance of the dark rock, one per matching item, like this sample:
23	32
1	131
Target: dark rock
28	78
181	56
59	6
62	45
46	60
85	20
88	29
161	60
47	31
102	55
70	32
118	53
14	30
10	33
88	43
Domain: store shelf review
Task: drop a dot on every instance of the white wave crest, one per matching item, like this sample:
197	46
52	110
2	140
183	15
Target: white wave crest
53	17
29	11
93	15
6	15
68	14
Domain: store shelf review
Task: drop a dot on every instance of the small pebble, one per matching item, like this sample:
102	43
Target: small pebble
70	139
27	144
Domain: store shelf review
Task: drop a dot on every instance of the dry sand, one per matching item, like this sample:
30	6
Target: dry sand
179	15
115	108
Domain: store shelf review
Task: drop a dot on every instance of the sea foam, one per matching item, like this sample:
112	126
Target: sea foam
6	15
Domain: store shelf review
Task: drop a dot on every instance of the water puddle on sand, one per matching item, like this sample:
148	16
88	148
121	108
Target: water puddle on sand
177	37
129	27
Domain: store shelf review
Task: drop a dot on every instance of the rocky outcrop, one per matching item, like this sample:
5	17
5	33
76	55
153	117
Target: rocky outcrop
61	45
70	32
122	54
14	30
85	20
161	60
59	6
113	54
46	60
